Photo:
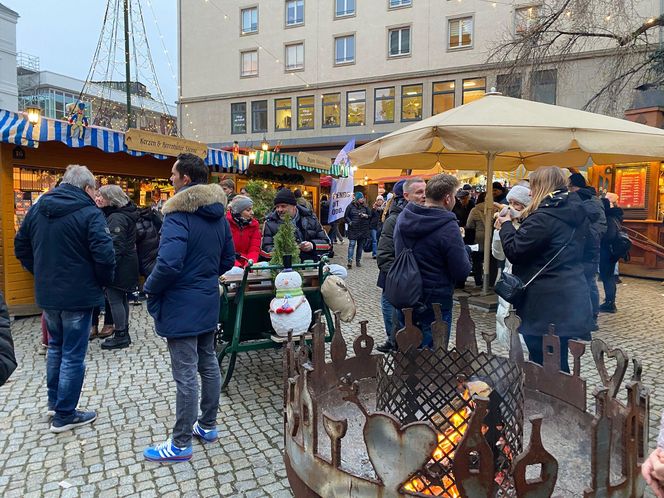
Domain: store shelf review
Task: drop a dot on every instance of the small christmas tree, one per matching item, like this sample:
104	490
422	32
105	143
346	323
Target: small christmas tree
285	243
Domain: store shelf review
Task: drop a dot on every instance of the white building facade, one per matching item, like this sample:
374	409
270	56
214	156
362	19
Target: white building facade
8	85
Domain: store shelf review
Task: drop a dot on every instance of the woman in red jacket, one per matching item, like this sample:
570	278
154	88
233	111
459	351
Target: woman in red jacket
245	229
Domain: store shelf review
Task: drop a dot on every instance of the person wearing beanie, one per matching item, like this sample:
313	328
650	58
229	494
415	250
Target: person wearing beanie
309	233
499	193
594	209
358	219
519	199
245	230
463	205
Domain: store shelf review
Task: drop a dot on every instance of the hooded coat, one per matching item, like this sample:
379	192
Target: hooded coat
614	219
385	253
594	209
559	295
434	236
358	218
65	243
246	239
122	225
147	239
307	228
196	247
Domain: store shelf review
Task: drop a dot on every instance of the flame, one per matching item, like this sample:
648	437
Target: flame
444	454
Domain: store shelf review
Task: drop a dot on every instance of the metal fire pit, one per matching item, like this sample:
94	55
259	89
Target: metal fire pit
373	425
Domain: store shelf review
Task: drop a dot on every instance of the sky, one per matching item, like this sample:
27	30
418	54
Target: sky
64	35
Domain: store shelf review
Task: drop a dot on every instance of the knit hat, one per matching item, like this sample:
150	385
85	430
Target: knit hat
285	196
380	198
462	194
240	203
519	194
577	180
498	185
398	188
358	196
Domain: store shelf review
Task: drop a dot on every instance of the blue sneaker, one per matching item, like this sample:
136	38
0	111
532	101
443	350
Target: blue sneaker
207	436
79	418
167	452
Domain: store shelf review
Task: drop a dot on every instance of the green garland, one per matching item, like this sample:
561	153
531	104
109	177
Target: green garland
292	178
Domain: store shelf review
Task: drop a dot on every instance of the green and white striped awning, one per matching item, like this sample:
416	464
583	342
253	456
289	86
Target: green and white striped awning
288	161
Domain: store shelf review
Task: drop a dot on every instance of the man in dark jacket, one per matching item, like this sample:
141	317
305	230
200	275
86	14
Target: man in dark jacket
462	207
358	219
608	260
65	243
7	357
433	234
309	233
595	213
183	298
405	191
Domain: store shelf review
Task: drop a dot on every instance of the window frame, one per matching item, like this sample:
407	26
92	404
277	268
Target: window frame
460	19
521	8
340	37
324	105
347	14
242	53
401	5
410	41
293	44
463	88
510	84
283	108
442	92
233	132
364	101
253	120
420	95
242	10
553	71
295	24
313	111
393	98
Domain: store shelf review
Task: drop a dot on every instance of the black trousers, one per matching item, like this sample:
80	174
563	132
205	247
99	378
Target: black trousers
477	259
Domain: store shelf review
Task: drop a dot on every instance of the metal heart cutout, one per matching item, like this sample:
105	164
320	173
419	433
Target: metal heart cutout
600	350
397	452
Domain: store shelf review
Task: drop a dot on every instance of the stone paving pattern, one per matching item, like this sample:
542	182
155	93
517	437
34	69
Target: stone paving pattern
134	394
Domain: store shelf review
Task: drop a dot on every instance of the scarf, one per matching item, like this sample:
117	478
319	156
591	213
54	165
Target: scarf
241	222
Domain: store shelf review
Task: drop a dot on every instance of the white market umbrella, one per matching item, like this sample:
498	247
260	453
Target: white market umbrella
502	133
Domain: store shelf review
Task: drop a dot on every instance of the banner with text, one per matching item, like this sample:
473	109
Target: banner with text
342	189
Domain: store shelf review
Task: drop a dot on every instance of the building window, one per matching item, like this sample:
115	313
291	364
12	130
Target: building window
249	63
259	116
305	113
344	49
473	89
411	103
399	42
295	57
509	84
343	8
461	32
282	114
442	97
544	86
249	20
331	110
294	12
526	18
356	106
393	4
384	105
239	117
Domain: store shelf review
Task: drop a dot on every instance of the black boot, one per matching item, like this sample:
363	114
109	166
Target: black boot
120	340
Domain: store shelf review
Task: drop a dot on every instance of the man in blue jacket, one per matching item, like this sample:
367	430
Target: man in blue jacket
183	298
65	243
433	233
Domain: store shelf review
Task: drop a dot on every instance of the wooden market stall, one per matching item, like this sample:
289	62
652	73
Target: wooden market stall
33	158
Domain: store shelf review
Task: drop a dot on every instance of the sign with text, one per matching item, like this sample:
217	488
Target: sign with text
341	193
314	160
155	143
631	187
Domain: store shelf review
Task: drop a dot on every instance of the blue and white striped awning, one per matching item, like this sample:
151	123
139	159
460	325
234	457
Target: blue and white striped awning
15	129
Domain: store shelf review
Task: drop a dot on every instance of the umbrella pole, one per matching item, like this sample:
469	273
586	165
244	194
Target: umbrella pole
488	220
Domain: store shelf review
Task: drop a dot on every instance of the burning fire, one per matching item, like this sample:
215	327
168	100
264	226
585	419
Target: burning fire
443	454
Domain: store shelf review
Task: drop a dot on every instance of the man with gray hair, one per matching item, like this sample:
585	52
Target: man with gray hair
65	243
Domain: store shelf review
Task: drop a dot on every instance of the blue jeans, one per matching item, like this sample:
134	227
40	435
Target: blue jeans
423	321
351	250
374	242
390	319
65	367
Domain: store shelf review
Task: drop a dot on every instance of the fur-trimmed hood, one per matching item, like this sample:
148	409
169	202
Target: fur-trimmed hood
207	200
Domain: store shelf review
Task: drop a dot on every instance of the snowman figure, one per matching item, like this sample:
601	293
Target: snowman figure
289	310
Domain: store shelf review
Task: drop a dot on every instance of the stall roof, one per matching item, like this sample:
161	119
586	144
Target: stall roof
15	129
289	161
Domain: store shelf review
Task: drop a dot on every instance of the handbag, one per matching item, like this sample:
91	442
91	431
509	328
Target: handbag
511	288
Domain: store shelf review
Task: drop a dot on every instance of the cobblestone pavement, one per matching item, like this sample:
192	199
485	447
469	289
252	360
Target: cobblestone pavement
134	394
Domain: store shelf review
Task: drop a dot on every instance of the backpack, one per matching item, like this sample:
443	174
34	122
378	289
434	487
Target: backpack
619	247
403	283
